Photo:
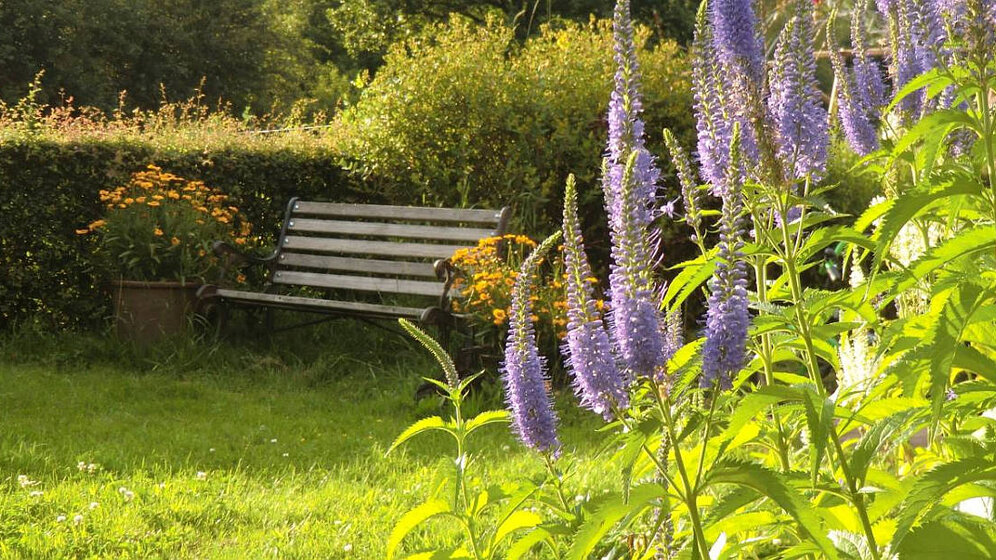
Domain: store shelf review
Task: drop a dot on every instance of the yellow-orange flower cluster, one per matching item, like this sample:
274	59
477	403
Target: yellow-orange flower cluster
153	188
487	273
160	226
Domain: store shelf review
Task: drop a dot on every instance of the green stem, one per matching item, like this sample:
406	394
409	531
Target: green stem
795	285
691	492
761	276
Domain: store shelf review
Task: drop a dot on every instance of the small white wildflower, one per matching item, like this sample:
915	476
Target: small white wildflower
35	493
81	465
25	481
60	518
211	450
274	440
347	548
286	454
337	522
77	519
92	468
126	494
201	475
94	505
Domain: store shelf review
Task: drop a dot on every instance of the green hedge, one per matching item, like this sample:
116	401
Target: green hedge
49	188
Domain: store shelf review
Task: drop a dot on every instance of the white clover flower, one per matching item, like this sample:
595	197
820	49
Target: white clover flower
211	450
201	475
126	494
36	493
26	482
60	518
347	548
94	505
77	519
274	440
286	455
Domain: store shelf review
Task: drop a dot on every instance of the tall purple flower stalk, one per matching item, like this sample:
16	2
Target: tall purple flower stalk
858	102
630	184
713	126
598	382
533	417
738	42
799	119
867	74
740	54
727	318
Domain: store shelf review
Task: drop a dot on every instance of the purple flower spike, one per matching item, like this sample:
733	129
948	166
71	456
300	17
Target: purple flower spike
598	381
523	371
858	117
630	178
867	75
738	42
800	122
727	319
713	126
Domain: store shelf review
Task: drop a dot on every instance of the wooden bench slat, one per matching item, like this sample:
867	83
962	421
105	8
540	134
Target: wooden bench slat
365	283
304	303
398	212
373	266
388	229
354	246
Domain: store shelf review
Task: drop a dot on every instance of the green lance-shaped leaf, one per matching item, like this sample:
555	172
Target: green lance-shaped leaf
956	315
526	543
449	368
485	418
694	273
964	539
881	432
413	519
819	420
965	244
929	125
774	486
928	490
610	513
423	425
521	519
905	208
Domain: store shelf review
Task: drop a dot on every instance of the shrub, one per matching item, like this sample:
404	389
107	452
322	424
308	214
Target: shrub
464	115
50	183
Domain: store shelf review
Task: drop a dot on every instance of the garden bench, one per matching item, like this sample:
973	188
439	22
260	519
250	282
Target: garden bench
345	253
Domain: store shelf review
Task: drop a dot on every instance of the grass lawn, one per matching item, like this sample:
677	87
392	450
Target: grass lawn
201	451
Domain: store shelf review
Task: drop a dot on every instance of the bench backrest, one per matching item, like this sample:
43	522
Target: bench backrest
375	248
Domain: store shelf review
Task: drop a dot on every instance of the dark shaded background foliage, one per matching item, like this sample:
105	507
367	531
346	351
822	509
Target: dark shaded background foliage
258	55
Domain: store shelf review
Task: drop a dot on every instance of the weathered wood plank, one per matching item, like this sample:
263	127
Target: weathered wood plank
388	229
362	247
352	264
304	303
363	283
398	212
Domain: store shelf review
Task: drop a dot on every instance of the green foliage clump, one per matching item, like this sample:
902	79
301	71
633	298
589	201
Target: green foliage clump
463	114
51	175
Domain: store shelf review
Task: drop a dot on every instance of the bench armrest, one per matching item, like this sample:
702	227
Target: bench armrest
230	256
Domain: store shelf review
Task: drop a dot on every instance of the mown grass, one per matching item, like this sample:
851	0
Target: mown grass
228	451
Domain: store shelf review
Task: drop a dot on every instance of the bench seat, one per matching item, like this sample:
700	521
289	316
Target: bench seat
345	255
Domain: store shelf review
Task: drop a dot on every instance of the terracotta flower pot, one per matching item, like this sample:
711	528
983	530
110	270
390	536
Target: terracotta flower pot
145	312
